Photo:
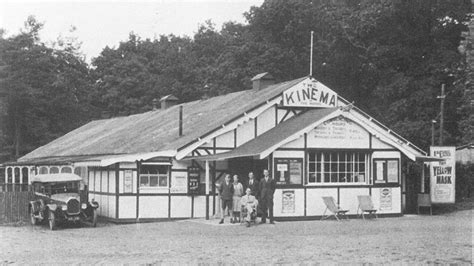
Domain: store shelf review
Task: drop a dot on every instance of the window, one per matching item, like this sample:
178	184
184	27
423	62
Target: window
386	171
154	176
54	170
337	167
66	169
43	170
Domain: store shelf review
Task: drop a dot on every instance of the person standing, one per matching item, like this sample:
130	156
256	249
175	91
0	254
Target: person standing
253	185
238	192
267	188
226	191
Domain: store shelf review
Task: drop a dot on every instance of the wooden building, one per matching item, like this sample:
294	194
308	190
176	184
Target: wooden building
166	163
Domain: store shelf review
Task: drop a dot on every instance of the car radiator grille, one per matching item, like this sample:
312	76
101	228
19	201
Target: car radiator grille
73	206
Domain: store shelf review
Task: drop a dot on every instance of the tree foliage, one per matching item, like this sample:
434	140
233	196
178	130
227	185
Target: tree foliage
388	56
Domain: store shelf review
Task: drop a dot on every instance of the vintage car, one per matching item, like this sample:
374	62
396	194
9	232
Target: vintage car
58	200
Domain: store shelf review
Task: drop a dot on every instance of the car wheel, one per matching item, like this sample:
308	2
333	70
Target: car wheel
52	220
33	219
94	218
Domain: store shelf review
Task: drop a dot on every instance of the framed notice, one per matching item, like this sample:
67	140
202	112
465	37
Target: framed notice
194	177
386	171
288	171
392	171
127	181
386	199
443	175
178	184
288	201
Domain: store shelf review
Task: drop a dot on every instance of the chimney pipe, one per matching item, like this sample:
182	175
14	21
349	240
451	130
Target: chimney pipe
180	120
155	104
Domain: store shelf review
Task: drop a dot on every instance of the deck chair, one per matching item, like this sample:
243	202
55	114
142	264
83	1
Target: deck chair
366	206
424	200
333	208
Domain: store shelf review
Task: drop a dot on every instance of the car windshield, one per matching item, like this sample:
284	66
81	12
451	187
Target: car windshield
56	188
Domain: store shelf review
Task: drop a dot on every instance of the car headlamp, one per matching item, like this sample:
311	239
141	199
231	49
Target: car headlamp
64	207
84	206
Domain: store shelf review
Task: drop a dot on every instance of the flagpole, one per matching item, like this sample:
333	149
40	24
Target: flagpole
311	57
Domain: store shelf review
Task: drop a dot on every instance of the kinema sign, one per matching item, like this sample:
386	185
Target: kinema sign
309	93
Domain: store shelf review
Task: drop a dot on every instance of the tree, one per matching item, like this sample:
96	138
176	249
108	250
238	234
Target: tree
46	90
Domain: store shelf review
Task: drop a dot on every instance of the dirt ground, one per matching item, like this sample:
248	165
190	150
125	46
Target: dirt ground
443	238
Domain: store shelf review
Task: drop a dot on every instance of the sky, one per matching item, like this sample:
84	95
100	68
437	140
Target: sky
105	23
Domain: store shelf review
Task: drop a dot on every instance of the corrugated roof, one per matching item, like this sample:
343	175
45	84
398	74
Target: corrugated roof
63	177
157	130
272	137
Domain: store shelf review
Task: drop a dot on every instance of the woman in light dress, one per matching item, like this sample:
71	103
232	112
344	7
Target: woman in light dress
238	192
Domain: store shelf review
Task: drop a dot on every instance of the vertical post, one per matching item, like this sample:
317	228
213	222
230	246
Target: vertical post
311	56
441	117
433	122
207	190
6	175
180	120
422	177
21	175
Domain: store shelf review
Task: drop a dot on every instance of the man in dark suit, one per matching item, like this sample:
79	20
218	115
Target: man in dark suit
253	185
226	192
267	188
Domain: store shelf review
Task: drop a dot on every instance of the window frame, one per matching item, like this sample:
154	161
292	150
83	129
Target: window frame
159	177
329	164
385	181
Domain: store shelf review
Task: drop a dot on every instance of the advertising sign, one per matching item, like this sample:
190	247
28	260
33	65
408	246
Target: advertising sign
339	132
194	177
288	204
178	184
127	181
386	199
443	175
288	170
310	93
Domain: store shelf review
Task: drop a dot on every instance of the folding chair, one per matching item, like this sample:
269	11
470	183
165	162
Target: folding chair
366	205
333	208
424	200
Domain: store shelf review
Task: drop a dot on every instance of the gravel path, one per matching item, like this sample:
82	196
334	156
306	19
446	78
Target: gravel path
442	239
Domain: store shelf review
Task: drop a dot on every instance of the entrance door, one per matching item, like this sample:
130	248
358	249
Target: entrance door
242	167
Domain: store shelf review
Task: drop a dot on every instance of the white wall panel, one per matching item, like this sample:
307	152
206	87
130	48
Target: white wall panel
314	201
386	154
278	203
348	198
127	207
395	200
379	144
180	206
225	140
104	181
181	164
266	120
153	207
200	206
112	207
97	181
111	181
298	143
245	132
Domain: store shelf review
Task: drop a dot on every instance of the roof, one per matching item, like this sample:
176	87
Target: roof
156	130
466	146
169	97
62	177
270	140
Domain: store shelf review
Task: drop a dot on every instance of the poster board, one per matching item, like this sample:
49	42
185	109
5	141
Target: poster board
127	181
386	199
194	177
288	201
443	175
288	171
178	184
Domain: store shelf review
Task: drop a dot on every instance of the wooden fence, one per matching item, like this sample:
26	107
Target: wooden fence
14	206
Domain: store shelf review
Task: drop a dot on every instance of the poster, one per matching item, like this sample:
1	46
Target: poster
288	204
386	199
288	171
392	171
443	175
178	184
127	181
194	177
379	171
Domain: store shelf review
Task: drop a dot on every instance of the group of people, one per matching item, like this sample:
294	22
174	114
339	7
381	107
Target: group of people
257	193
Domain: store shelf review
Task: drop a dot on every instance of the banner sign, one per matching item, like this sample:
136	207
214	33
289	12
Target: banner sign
386	199
443	175
194	177
309	93
288	204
